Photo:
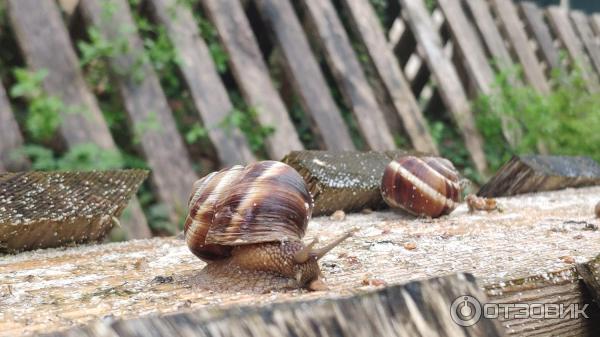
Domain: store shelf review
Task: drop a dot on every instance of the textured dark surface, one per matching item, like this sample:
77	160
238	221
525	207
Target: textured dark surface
344	180
419	308
536	173
50	209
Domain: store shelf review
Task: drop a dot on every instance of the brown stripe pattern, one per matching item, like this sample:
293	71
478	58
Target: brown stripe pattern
421	186
266	201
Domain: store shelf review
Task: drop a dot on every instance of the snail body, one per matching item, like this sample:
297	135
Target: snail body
426	186
247	223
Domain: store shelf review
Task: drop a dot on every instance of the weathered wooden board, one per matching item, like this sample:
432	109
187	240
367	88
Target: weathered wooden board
471	49
590	273
419	308
446	77
582	25
535	173
252	74
366	25
508	15
146	105
304	74
595	19
348	181
561	24
533	16
10	137
347	71
52	209
205	86
490	33
46	45
54	289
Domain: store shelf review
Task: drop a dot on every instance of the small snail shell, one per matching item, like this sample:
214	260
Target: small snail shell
421	186
248	222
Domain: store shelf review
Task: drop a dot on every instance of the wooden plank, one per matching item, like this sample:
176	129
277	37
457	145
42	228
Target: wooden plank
303	72
580	21
535	173
364	21
346	69
419	308
57	289
559	20
471	49
507	12
534	19
252	74
447	79
146	105
10	137
204	83
590	273
50	49
595	18
54	209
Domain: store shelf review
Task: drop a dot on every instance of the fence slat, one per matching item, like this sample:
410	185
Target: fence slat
10	137
82	122
146	105
490	33
205	86
507	12
559	20
470	46
252	74
446	77
305	75
580	21
348	74
534	18
596	23
366	24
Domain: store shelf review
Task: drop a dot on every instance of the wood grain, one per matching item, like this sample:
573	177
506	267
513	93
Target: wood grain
46	45
303	72
204	83
366	25
348	74
150	116
252	74
447	79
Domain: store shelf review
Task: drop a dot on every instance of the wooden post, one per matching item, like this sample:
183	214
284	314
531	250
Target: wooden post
534	19
203	81
469	45
365	23
582	25
146	105
10	137
447	79
507	12
252	74
50	49
347	71
304	74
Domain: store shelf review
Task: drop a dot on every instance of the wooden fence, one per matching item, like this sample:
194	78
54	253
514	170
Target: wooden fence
426	60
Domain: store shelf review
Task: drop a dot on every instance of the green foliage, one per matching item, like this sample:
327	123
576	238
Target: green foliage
43	116
81	157
211	37
515	119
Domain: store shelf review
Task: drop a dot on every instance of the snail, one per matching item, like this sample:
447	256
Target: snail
421	186
247	224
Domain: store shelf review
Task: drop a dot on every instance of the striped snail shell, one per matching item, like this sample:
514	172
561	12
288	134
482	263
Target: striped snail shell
248	222
421	186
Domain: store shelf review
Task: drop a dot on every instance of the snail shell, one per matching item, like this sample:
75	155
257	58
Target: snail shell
263	202
421	186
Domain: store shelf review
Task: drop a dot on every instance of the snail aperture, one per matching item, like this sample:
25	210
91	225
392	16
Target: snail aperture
248	222
421	186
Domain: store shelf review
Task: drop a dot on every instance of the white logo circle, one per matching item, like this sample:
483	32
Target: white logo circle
465	310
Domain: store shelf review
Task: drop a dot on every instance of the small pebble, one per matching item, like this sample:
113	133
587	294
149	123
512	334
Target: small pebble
410	245
367	211
338	215
567	259
376	282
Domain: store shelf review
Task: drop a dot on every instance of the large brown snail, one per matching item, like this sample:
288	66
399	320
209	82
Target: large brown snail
426	186
247	223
